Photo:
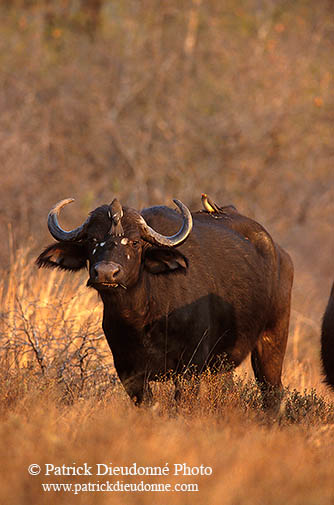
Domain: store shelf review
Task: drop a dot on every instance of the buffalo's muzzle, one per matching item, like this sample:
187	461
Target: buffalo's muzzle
105	273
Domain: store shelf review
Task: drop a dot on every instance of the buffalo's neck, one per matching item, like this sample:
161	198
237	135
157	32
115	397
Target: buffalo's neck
127	309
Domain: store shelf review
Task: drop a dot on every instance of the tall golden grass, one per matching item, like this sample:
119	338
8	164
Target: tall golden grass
51	323
61	404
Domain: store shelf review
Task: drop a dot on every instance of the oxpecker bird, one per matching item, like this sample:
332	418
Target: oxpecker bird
209	205
116	212
212	208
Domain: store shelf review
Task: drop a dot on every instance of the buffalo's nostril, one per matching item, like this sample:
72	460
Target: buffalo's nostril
114	272
105	272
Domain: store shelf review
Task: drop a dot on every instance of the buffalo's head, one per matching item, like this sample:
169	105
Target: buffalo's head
115	243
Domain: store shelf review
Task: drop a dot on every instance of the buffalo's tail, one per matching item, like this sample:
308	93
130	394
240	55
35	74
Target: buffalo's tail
327	341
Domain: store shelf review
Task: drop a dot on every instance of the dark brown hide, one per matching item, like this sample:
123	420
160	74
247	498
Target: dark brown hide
224	292
327	341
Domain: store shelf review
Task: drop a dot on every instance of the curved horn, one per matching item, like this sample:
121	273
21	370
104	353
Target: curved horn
156	238
56	231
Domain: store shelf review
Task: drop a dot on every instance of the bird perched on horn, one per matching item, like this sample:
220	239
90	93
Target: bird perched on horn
116	213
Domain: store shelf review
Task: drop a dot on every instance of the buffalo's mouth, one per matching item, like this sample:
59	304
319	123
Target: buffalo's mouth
108	285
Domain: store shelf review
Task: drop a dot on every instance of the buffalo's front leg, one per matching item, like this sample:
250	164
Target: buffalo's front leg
138	388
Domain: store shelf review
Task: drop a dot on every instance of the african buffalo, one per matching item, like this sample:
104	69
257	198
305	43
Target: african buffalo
176	299
327	341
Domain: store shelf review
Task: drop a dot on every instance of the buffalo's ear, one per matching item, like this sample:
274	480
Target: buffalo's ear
158	260
63	255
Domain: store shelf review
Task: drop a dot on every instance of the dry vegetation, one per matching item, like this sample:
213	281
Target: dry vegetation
148	101
60	403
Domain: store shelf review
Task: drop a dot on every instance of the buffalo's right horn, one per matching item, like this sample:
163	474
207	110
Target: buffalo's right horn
169	241
56	231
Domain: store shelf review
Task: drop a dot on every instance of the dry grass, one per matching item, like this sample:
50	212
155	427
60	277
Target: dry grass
52	328
60	404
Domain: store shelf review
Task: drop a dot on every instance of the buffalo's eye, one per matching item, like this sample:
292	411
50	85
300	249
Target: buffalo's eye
135	242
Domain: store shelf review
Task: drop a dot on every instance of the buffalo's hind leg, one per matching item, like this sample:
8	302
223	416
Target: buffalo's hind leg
267	362
268	354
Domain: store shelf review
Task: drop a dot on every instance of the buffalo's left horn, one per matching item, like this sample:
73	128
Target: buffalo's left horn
174	240
56	231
